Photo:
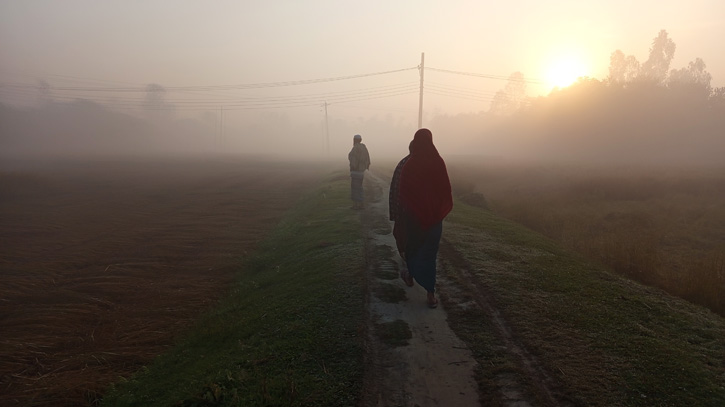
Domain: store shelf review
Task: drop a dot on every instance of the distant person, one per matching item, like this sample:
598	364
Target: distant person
397	217
359	162
424	200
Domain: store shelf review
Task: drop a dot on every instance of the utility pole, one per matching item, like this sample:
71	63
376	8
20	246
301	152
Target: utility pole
420	103
327	131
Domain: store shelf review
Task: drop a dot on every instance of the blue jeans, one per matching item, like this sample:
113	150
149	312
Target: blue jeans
421	253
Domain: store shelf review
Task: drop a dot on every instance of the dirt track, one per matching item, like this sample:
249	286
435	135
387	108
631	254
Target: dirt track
101	264
435	368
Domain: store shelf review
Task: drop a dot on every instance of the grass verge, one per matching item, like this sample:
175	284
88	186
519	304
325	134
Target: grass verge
288	333
605	339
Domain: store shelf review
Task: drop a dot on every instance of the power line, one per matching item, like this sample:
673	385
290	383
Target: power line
460	88
398	86
488	76
263	105
71	93
460	91
336	101
222	87
240	102
458	96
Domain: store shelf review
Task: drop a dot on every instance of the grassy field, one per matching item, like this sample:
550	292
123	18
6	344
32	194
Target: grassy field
664	227
291	329
289	333
104	261
598	339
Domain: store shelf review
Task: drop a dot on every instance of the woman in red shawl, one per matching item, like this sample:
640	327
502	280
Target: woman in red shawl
424	199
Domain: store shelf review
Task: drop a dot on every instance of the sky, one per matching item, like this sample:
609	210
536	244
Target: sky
182	43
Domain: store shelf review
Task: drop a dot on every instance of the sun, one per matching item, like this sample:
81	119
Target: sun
564	71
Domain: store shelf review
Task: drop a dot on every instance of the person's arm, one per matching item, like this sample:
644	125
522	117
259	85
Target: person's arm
352	156
366	157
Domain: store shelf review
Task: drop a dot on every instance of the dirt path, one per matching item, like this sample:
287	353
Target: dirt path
434	368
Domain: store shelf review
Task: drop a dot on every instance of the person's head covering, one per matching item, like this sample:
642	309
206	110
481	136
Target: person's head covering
425	190
423	143
357	137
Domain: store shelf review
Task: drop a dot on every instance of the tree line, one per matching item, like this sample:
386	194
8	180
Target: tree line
641	113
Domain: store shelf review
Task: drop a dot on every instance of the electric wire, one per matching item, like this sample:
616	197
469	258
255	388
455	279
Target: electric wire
488	76
16	91
460	89
241	99
230	87
460	92
318	104
487	99
248	101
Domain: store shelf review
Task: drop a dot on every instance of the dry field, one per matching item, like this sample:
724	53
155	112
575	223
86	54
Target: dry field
661	226
103	263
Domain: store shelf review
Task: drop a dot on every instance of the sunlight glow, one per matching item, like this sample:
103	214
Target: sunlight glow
564	71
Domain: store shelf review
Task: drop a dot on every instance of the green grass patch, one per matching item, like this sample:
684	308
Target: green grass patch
607	340
288	333
395	333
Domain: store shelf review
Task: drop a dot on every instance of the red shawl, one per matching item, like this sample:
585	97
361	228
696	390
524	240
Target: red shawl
425	190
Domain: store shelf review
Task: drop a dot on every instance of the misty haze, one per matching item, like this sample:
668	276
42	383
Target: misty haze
178	224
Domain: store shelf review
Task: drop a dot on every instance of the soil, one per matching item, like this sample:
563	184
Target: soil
103	263
434	367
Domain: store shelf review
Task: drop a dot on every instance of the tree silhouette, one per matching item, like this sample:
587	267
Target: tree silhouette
656	67
694	74
622	69
155	101
511	97
45	95
155	96
643	114
717	98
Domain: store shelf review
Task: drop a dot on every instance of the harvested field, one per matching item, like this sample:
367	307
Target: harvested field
103	263
662	226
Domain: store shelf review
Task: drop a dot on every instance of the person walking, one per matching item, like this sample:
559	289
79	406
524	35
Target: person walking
424	199
396	215
359	162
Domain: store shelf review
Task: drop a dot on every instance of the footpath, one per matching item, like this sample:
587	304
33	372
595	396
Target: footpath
522	322
414	358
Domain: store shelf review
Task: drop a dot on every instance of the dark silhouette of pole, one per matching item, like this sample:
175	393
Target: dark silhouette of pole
420	103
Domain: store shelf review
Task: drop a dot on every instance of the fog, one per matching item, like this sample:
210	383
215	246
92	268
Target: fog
84	128
279	82
595	123
589	122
